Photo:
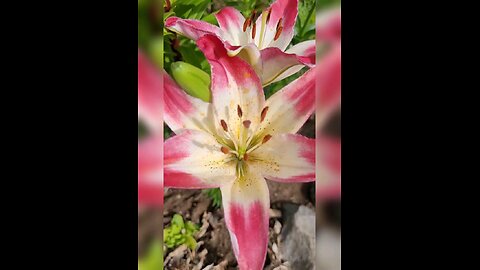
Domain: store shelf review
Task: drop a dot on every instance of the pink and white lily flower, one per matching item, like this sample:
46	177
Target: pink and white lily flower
262	41
328	84
150	150
236	142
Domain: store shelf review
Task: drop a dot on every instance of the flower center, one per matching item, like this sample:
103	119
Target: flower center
248	141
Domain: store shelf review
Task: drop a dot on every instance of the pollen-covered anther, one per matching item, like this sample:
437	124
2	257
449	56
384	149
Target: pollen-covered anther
245	157
279	24
246	24
266	138
252	17
279	29
254	30
224	150
239	111
224	125
247	123
263	114
277	34
269	11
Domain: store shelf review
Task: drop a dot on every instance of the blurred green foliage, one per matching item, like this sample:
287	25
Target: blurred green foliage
153	260
180	232
323	4
216	195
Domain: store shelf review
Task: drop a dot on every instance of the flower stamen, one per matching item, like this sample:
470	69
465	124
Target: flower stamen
252	17
224	150
263	114
269	11
247	123
224	125
254	30
239	111
246	24
265	17
266	138
279	29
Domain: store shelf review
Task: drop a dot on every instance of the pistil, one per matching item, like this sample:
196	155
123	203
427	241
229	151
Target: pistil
265	18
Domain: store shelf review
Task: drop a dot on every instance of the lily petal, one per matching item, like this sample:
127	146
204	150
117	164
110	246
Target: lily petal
249	53
193	29
328	85
286	158
281	9
150	171
231	22
328	185
183	111
234	83
193	159
246	204
278	65
329	26
290	108
306	51
150	105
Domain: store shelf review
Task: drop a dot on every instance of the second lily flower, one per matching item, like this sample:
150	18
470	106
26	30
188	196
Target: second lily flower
261	39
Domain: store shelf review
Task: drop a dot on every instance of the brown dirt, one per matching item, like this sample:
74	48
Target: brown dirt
214	245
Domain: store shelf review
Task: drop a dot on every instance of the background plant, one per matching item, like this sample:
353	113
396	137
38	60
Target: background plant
180	232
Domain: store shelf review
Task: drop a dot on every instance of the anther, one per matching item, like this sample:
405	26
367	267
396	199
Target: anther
245	157
239	111
277	34
263	114
279	24
252	17
246	123
224	125
168	6
254	30
266	138
246	24
269	11
224	150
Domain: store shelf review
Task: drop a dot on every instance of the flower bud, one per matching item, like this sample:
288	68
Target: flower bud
193	80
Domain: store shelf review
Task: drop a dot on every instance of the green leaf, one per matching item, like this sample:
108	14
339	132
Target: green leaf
191	242
177	220
153	259
216	195
180	232
305	18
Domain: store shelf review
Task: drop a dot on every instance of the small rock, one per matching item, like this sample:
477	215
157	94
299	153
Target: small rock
277	227
298	245
275	248
275	213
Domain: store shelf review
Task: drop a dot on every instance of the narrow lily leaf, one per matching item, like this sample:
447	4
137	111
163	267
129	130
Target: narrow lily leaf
193	80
